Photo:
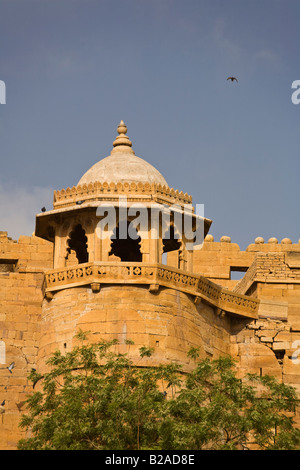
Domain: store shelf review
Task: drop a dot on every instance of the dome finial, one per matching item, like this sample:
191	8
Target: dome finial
122	140
122	128
122	166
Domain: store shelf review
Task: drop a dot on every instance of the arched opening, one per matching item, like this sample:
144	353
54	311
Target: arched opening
171	248
127	249
77	242
170	243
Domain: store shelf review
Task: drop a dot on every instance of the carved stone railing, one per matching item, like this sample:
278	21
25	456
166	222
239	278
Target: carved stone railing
88	273
133	191
153	275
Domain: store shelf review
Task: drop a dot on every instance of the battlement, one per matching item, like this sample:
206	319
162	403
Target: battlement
25	254
219	260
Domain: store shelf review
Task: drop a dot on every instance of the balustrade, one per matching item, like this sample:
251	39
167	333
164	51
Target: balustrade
151	274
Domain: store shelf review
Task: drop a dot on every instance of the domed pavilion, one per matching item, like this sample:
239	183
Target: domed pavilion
126	186
110	276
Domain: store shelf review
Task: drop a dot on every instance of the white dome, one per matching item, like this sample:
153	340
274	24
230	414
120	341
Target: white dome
122	165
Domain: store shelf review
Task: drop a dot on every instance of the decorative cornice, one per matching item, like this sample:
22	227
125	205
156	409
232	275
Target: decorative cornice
111	191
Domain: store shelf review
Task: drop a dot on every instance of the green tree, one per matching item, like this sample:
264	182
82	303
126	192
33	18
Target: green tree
216	410
95	398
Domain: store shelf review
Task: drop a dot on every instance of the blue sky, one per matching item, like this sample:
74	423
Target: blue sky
74	68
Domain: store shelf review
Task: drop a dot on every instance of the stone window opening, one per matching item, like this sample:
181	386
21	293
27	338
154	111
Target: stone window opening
237	272
173	245
7	265
127	249
170	243
77	243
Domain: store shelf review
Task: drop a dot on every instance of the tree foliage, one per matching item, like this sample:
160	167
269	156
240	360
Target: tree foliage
216	410
96	398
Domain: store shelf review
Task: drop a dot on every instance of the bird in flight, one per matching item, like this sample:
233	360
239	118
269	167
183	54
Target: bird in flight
232	79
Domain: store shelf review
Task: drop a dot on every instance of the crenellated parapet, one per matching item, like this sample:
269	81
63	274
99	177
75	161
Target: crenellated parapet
220	260
134	192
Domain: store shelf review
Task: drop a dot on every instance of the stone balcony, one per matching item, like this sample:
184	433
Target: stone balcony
155	276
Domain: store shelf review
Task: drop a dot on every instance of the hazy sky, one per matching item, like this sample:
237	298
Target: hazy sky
74	68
